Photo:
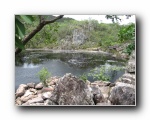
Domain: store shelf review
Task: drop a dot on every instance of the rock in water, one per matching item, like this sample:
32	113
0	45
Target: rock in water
122	95
71	91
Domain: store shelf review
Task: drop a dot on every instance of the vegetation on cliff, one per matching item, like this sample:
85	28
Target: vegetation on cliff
67	33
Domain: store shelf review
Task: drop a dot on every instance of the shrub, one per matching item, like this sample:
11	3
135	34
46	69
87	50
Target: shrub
44	75
83	77
101	74
130	48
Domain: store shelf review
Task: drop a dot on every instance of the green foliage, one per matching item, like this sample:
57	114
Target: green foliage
59	35
27	18
127	33
83	77
20	29
130	48
47	36
101	73
43	75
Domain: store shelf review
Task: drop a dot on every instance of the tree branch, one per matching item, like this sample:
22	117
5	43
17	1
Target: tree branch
35	31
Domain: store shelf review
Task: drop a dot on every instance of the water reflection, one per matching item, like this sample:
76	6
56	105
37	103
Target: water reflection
31	65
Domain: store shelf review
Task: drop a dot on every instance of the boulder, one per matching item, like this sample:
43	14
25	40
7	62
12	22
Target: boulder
127	78
131	66
31	85
18	101
46	102
95	89
47	89
34	91
52	83
124	55
26	98
39	86
122	95
71	91
38	99
125	84
102	83
20	91
105	91
29	94
23	85
98	98
46	95
131	63
112	84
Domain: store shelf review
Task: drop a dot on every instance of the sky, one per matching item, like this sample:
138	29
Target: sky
101	18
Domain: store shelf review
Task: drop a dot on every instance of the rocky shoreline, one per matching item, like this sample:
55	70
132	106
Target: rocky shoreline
69	90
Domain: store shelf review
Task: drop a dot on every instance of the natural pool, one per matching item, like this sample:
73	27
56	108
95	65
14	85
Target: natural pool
27	65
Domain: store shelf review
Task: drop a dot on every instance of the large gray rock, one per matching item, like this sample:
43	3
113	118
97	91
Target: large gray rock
31	85
71	91
46	95
26	98
38	99
47	89
99	98
131	66
18	101
127	78
125	84
39	86
21	90
105	91
95	89
97	94
122	95
131	63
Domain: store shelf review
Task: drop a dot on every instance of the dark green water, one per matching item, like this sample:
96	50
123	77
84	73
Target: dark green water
29	64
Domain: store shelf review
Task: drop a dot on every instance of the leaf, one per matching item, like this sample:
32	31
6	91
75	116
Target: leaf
18	43
27	18
20	29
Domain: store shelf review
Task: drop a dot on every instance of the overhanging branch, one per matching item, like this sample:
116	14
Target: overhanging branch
36	30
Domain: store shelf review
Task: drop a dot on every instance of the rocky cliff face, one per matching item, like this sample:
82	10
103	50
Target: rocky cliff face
79	36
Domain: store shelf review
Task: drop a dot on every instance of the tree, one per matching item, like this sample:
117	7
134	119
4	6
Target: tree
20	39
126	33
115	18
